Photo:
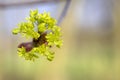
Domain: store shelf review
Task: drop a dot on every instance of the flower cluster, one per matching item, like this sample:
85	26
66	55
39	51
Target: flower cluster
45	33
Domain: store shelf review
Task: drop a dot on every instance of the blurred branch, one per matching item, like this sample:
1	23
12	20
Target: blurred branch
64	12
22	4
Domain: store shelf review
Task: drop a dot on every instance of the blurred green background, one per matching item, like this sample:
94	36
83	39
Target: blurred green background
90	30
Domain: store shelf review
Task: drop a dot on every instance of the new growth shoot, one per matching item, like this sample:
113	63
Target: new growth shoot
44	32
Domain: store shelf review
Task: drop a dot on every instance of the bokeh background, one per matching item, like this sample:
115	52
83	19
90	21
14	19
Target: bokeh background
91	34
